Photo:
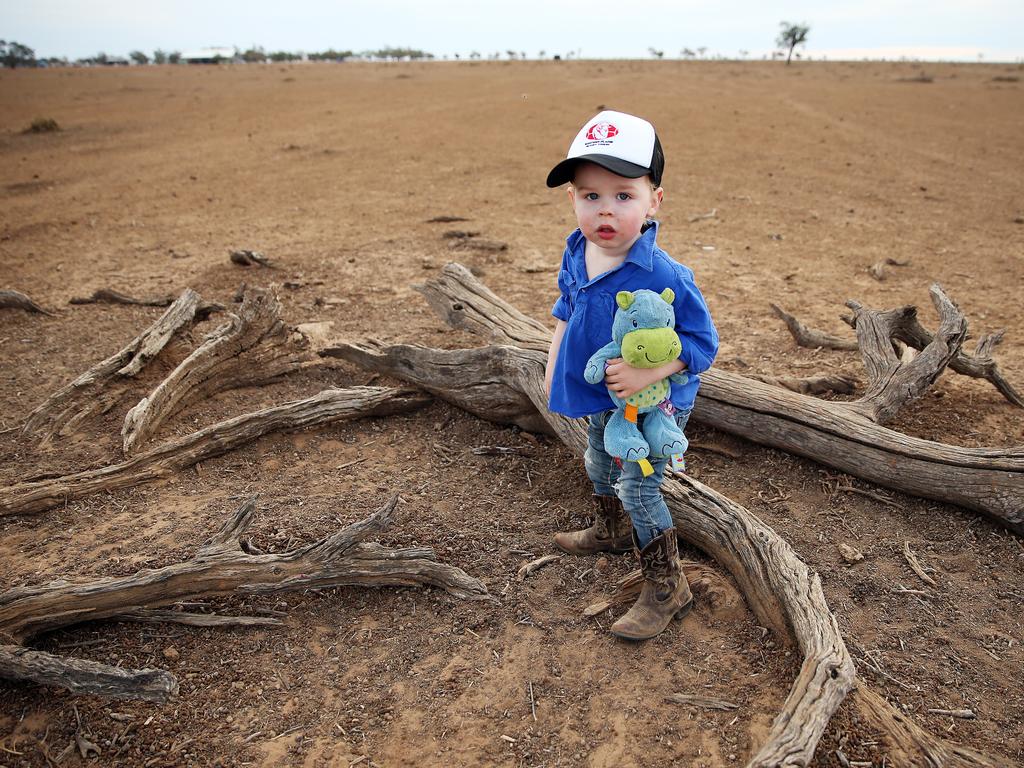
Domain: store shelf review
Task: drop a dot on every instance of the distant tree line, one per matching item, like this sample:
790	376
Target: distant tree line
14	54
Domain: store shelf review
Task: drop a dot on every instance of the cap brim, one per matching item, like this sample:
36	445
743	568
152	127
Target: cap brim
563	172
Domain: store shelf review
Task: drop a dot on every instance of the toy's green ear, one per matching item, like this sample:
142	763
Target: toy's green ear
625	299
668	295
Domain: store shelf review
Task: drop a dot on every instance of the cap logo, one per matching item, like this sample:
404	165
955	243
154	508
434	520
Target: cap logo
602	131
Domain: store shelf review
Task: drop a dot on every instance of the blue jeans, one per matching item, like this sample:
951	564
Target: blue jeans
640	496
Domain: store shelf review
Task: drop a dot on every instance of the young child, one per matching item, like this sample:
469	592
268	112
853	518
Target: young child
614	170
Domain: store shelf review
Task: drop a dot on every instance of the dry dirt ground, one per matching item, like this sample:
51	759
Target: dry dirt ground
815	171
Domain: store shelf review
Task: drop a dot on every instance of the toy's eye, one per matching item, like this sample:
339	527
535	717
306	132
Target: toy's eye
634	324
668	323
639	347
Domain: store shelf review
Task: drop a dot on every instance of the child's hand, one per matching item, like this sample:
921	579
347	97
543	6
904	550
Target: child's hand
625	380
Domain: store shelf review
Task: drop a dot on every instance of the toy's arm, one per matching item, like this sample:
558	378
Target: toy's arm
594	372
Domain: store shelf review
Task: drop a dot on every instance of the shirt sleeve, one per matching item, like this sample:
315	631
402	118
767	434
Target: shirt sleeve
694	325
561	309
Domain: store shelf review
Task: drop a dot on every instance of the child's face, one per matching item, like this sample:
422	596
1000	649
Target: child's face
611	209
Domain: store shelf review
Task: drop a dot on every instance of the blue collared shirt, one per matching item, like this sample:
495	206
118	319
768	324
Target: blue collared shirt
588	308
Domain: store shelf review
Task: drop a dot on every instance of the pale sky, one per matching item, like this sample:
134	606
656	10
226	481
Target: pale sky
925	29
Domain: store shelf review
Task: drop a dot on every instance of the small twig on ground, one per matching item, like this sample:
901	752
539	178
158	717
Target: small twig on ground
499	450
247	258
535	565
916	566
870	494
877	270
533	703
712	448
704	702
963	714
713	213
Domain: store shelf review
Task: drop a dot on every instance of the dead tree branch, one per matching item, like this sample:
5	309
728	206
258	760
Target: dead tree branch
327	407
988	480
909	744
979	365
807	337
783	593
253	347
103	385
83	676
892	381
779	588
222	566
110	296
18	300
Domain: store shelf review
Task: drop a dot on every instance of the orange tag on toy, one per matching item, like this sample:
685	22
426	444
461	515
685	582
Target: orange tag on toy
631	412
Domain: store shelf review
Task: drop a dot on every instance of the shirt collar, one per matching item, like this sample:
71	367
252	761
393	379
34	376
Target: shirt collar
640	253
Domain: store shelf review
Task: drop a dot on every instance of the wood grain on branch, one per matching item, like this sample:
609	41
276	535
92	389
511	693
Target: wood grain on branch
82	676
892	381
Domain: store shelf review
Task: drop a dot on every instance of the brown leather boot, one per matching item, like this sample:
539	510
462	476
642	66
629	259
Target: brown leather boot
664	595
611	532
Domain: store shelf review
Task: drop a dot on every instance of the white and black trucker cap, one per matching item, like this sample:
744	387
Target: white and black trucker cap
624	144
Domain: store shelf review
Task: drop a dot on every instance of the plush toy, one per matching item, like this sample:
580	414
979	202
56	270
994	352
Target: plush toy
643	334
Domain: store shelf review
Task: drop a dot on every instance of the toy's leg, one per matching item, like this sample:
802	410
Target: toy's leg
663	434
623	439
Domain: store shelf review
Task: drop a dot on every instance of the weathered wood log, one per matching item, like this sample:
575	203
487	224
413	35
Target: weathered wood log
82	676
103	385
222	566
246	258
780	589
253	347
327	407
18	300
987	480
110	296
